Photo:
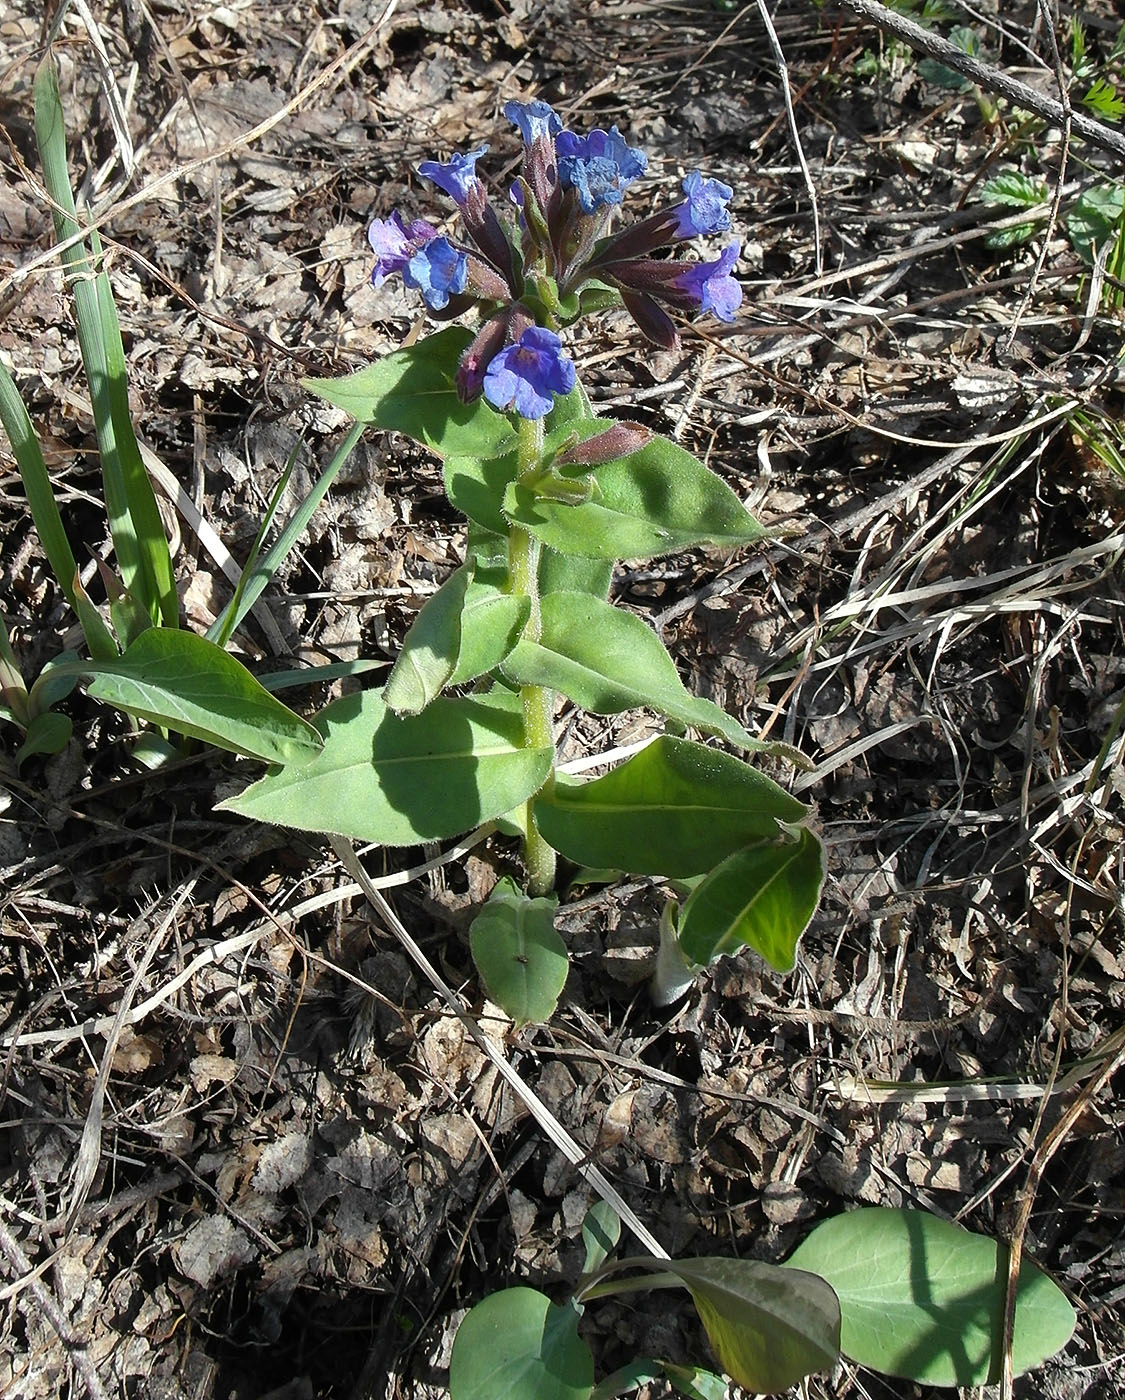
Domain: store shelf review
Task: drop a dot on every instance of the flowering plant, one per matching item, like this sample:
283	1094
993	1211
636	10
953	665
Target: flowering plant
554	494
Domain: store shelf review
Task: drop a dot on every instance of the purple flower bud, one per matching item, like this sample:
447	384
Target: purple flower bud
485	346
525	376
534	119
711	285
458	177
705	209
438	271
653	320
395	242
598	166
617	441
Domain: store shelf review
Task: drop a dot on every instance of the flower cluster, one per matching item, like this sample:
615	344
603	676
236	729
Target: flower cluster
554	256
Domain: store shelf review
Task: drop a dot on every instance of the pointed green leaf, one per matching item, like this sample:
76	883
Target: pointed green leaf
521	959
924	1298
769	1326
399	781
519	1345
430	648
601	1230
184	683
651	502
475	486
491	623
767	1331
763	896
695	1382
412	391
675	808
608	660
49	732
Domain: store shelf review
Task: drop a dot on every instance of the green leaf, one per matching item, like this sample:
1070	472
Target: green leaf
519	1345
48	733
399	781
476	485
138	535
430	648
968	41
695	1382
651	502
923	1298
763	896
567	573
521	959
1096	219
769	1326
1103	98
188	684
412	391
675	808
491	623
607	660
601	1230
1013	189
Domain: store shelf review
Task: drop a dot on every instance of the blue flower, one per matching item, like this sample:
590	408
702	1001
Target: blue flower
711	285
524	376
438	271
705	209
598	166
394	243
534	119
457	177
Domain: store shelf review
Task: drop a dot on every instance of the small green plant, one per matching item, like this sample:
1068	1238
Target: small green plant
139	660
898	1291
553	495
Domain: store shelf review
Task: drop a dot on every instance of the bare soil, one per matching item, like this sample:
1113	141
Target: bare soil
286	1171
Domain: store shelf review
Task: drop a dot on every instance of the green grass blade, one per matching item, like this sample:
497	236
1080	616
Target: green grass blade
134	520
44	510
259	576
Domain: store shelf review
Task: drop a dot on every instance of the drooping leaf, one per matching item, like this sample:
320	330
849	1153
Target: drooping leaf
430	649
520	957
412	391
399	781
519	1345
923	1298
769	1326
185	683
676	808
763	896
608	660
651	502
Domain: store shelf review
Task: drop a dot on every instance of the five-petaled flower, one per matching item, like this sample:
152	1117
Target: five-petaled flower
552	256
524	376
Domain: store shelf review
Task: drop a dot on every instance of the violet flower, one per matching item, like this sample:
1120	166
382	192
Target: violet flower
525	376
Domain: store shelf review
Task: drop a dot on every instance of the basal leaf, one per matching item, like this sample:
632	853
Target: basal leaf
185	683
1096	218
651	502
399	781
763	896
430	649
521	959
412	391
519	1345
923	1298
608	660
601	1230
676	808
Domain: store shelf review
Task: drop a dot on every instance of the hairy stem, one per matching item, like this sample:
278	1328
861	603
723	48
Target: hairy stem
538	704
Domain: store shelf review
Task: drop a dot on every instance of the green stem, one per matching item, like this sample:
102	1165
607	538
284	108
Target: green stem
538	703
